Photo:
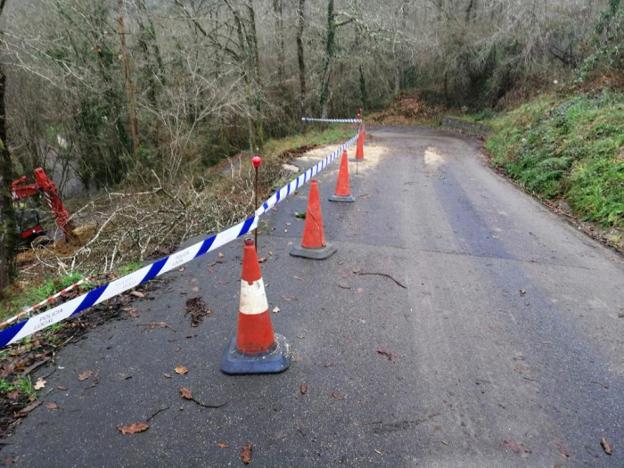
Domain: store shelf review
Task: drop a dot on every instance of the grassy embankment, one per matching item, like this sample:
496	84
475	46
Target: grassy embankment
569	150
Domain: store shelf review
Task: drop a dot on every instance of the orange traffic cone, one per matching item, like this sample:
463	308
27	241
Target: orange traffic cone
343	188
313	244
255	349
359	152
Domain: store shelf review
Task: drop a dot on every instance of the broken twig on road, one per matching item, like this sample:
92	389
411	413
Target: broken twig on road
385	275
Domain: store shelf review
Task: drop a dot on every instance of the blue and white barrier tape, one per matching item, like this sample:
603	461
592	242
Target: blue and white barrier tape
79	304
311	119
302	179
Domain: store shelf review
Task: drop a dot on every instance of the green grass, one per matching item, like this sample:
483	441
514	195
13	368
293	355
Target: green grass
128	268
25	386
16	298
312	137
567	148
6	386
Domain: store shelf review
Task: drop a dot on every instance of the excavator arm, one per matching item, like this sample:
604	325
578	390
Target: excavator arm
21	189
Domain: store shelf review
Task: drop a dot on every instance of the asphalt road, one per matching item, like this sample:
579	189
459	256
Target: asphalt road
504	348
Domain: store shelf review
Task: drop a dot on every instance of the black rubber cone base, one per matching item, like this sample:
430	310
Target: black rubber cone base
342	199
314	254
273	362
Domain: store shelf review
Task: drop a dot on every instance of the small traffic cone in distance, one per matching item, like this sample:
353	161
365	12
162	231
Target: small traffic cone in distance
343	187
255	349
313	244
359	151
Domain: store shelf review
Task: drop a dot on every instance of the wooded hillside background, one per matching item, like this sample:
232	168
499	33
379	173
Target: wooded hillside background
106	91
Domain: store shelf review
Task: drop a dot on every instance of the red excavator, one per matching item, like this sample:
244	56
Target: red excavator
28	222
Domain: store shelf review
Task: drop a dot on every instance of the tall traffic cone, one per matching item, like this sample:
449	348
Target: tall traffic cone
255	349
313	244
359	152
343	188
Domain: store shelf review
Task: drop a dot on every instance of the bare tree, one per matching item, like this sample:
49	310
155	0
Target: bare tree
8	229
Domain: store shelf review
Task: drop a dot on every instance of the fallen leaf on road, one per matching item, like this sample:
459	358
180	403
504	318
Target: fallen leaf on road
387	354
198	310
606	446
62	388
220	255
181	370
245	454
298	278
522	291
133	428
85	374
138	294
40	383
52	406
516	447
186	393
223	445
303	388
344	286
276	310
14	395
166	376
262	259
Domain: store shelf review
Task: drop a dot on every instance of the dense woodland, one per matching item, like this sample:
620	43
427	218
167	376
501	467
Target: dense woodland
103	92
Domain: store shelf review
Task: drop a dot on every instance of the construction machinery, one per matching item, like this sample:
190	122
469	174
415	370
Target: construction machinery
28	219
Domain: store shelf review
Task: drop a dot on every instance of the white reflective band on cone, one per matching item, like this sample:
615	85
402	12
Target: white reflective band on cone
253	299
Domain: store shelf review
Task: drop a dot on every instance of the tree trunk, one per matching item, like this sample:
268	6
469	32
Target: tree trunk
363	91
398	50
252	40
8	228
133	122
279	32
300	57
328	61
148	43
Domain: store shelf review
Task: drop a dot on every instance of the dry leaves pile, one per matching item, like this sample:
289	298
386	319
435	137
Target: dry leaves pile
406	110
197	309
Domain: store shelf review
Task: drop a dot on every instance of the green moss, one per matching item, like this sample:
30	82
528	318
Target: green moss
570	148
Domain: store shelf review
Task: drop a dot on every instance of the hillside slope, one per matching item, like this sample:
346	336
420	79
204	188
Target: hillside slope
569	150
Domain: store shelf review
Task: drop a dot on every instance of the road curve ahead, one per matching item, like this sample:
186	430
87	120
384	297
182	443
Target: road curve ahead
459	324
